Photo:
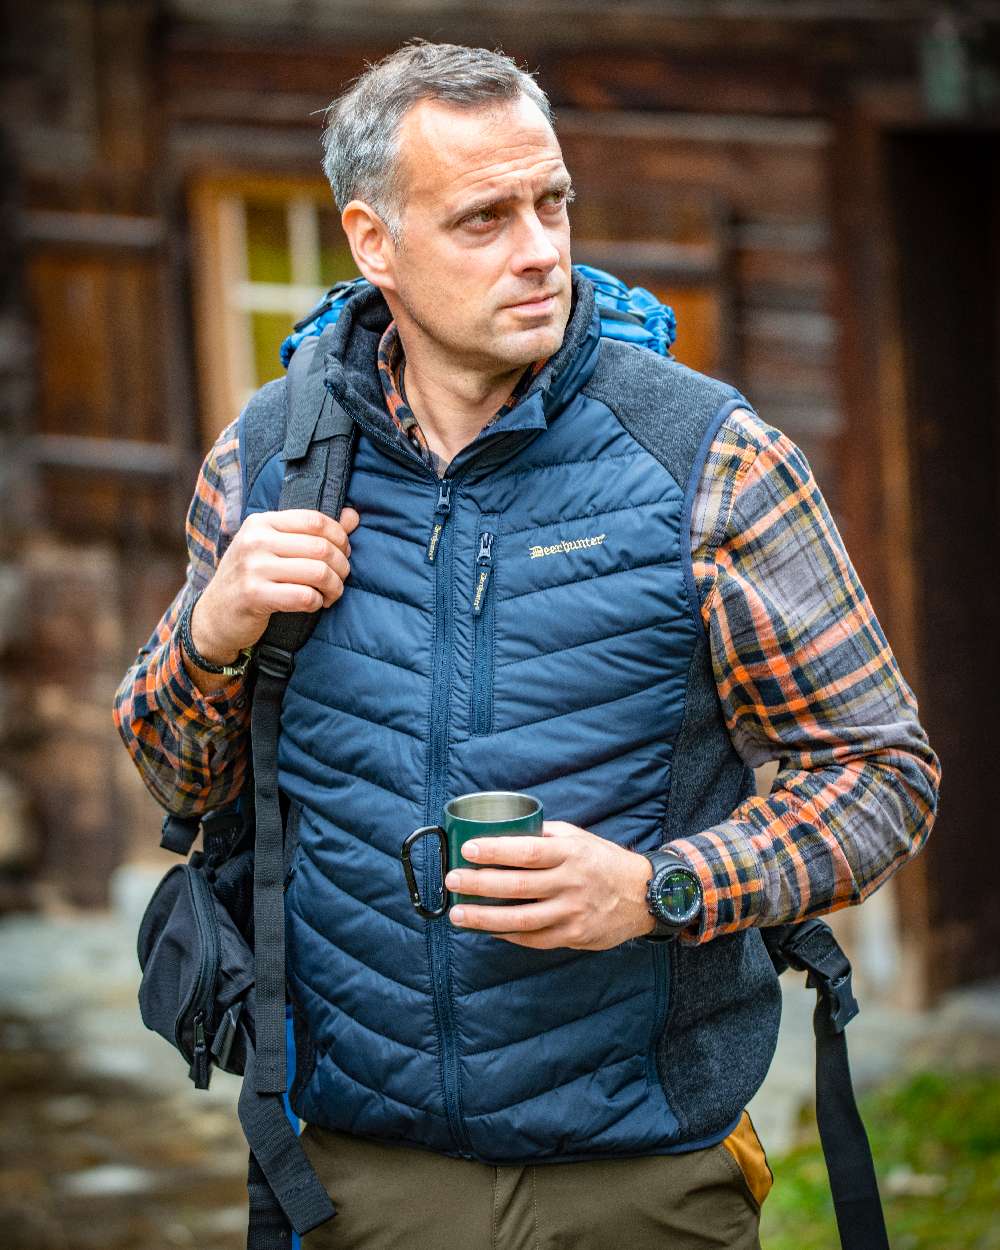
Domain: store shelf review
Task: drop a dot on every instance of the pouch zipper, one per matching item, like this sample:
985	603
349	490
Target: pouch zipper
200	1073
482	630
203	993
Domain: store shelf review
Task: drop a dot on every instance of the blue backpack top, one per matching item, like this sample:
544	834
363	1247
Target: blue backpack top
631	314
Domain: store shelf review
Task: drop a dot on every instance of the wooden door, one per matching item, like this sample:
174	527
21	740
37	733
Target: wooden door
921	229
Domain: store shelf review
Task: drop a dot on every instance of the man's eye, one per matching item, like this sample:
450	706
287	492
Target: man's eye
556	199
482	218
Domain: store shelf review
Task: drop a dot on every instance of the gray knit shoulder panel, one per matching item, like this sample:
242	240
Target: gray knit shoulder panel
262	430
664	405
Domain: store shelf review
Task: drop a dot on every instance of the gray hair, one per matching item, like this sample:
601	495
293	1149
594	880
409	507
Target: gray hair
361	136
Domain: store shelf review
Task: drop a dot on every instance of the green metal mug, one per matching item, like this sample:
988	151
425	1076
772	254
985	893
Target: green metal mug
486	814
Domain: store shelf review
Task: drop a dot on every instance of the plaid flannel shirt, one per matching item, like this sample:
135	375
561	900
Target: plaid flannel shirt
804	675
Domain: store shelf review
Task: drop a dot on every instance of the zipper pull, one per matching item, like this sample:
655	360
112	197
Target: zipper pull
199	1064
440	516
484	566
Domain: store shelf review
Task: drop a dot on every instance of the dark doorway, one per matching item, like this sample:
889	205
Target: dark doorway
944	211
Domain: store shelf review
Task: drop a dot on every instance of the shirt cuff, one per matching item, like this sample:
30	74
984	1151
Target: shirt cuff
181	698
731	877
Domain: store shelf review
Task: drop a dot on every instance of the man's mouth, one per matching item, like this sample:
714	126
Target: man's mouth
543	301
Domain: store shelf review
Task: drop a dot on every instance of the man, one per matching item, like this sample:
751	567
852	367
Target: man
667	605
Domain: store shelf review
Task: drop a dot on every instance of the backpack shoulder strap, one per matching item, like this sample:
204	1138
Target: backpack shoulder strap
319	442
319	439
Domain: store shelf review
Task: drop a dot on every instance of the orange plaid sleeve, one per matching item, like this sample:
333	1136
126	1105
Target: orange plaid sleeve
805	677
191	748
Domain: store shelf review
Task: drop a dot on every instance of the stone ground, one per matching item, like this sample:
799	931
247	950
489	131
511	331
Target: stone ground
105	1144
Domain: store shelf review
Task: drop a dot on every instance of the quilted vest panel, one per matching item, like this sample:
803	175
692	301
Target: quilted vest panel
564	676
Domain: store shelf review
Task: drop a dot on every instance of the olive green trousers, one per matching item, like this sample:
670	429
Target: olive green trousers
396	1198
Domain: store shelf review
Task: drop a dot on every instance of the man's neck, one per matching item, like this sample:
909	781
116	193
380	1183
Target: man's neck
452	404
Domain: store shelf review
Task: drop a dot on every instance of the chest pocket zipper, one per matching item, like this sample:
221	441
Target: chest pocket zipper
482	608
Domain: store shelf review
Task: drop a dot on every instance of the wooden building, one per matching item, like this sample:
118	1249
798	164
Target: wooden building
814	187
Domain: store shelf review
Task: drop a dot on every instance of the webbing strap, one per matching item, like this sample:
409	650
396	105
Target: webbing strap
316	480
845	1144
268	885
267	1228
284	1191
811	947
281	1179
303	487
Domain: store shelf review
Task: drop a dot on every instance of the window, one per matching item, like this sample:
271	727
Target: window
266	250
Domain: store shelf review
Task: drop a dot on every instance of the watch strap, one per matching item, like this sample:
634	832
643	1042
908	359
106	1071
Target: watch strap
660	859
236	669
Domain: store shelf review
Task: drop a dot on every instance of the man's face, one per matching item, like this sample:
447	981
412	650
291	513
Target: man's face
482	275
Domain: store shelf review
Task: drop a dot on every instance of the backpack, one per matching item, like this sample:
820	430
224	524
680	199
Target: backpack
211	943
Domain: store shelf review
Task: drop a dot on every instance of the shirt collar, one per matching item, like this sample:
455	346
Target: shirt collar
391	360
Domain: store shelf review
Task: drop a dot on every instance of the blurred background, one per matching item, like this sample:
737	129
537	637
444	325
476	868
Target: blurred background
813	186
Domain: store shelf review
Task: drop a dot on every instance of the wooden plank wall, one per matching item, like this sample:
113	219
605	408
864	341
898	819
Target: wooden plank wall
108	460
636	129
122	103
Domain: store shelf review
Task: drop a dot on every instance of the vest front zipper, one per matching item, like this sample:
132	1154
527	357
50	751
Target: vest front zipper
440	553
483	597
440	517
439	931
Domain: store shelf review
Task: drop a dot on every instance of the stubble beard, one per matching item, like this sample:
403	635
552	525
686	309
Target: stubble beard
485	349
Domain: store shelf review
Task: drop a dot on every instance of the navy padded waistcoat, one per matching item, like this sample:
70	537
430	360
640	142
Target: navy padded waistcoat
579	673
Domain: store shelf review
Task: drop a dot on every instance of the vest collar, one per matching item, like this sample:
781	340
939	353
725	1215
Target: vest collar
351	369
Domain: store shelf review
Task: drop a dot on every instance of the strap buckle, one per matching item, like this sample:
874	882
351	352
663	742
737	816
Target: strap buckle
178	833
275	661
838	995
811	947
220	832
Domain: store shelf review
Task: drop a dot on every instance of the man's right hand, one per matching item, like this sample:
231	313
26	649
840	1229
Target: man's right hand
290	561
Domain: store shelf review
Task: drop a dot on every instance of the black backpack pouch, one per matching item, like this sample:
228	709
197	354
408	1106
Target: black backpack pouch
196	954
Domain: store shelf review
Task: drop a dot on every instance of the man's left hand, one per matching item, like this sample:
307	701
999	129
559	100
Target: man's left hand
587	893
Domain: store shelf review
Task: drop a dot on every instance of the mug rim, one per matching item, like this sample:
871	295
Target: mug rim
479	794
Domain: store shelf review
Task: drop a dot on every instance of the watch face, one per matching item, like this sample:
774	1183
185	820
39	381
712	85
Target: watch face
679	895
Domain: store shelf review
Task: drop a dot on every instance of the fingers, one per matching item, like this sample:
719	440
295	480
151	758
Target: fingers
288	597
309	547
502	883
304	573
317	524
297	559
524	919
541	940
560	829
525	851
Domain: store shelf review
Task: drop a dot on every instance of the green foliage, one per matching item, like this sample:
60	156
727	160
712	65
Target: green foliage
936	1142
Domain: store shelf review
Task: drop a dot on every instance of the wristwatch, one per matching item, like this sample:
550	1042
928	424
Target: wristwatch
236	669
673	895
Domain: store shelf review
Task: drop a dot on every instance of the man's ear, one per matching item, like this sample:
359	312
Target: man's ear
371	244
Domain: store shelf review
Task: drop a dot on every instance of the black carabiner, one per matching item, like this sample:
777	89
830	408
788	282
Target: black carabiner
411	880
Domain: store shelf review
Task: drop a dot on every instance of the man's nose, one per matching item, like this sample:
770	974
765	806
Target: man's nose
535	248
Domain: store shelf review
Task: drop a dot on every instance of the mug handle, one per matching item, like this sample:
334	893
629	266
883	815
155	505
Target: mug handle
411	880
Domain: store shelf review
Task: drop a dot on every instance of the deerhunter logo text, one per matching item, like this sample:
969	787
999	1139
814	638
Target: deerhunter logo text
567	544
